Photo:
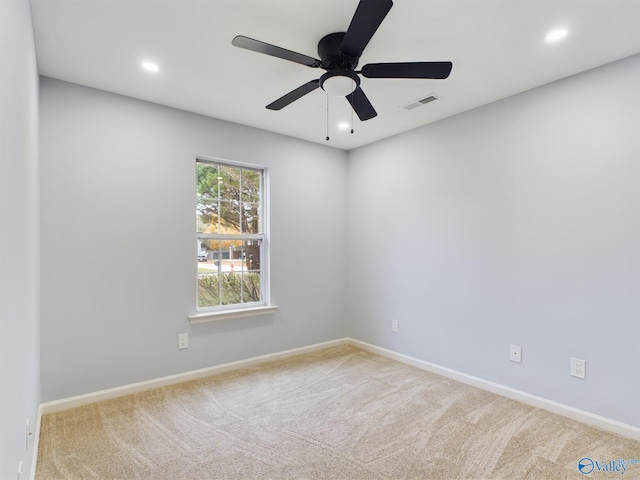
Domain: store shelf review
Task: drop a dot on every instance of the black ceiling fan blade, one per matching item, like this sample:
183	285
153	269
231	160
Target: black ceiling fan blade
268	49
365	22
294	95
361	105
437	70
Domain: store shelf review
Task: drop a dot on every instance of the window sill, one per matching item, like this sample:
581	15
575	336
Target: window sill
214	316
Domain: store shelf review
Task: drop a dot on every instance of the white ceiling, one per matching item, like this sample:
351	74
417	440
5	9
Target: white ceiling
497	48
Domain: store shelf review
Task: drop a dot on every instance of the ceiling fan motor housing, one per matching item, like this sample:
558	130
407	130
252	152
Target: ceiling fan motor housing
331	56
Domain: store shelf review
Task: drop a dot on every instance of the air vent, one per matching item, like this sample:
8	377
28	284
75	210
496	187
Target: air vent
428	99
421	101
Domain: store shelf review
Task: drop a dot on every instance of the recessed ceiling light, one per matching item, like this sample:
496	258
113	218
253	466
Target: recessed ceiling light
150	66
556	35
343	125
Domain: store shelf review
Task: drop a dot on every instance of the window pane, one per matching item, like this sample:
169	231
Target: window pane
207	251
208	290
232	276
252	249
251	186
208	270
231	288
229	183
207	178
229	217
207	198
251	287
251	271
250	218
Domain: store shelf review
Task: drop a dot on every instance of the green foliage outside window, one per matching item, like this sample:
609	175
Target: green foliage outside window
228	289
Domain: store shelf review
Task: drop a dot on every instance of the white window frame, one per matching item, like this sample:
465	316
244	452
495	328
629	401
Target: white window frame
224	312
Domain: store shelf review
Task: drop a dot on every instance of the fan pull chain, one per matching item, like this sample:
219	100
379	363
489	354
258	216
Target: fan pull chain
354	103
327	117
352	121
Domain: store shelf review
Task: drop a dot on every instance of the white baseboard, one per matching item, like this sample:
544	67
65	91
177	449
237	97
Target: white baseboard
80	400
583	416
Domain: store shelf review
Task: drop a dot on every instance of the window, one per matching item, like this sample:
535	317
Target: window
231	238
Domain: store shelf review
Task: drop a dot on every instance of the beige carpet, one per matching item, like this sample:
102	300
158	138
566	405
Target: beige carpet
341	413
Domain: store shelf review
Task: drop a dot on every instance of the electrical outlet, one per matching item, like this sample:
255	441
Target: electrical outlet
394	325
183	340
578	368
515	353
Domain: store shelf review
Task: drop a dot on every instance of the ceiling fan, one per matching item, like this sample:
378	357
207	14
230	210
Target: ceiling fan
339	54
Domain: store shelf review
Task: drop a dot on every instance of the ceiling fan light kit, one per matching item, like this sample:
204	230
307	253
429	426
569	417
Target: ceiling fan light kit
339	83
339	55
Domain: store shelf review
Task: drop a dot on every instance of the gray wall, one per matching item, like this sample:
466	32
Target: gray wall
118	241
19	350
518	222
